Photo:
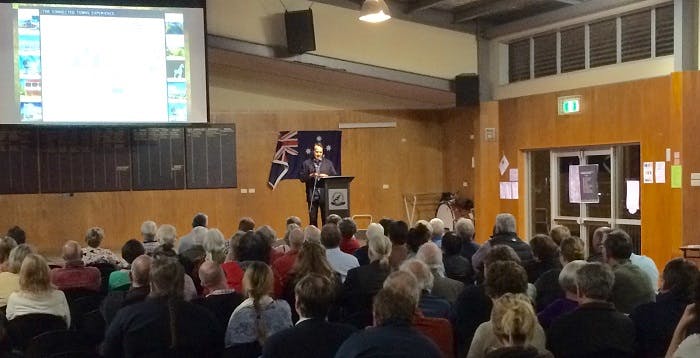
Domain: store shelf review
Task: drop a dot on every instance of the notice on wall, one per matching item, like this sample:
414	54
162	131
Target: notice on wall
503	164
632	198
660	172
676	176
513	174
648	168
583	184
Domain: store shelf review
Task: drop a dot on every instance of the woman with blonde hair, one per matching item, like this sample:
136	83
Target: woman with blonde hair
36	294
9	277
258	317
363	282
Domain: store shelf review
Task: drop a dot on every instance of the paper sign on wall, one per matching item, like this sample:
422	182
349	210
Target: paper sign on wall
632	200
583	184
503	164
513	174
648	172
676	176
660	172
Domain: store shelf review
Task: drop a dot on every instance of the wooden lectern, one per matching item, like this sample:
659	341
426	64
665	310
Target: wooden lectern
336	190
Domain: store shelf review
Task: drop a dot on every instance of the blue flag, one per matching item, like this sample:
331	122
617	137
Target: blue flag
294	147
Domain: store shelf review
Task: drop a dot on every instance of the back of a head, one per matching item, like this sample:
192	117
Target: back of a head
513	319
333	219
246	224
544	247
374	229
417	236
393	305
386	224
312	259
293	220
347	227
679	276
296	238
599	235
420	271
425	223
505	276
312	234
6	245
451	244
211	274
571	249
34	274
267	233
465	228
215	245
595	281
505	223
140	270
148	230
233	245
200	219
257	280
431	255
71	251
567	276
618	245
437	226
252	247
17	234
17	255
132	249
404	283
314	295
199	233
330	236
501	253
559	233
398	232
379	250
192	257
166	235
94	236
167	278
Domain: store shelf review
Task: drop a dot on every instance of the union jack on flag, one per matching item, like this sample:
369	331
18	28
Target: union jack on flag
287	161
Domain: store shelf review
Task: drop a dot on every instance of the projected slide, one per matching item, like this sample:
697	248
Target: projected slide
90	64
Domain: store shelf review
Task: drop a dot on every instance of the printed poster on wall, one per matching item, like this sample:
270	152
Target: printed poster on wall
583	184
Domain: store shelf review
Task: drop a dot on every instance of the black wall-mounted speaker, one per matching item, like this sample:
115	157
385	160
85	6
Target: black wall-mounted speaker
466	89
300	31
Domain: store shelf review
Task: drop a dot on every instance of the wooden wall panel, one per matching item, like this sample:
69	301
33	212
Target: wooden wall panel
632	112
408	158
486	204
689	157
458	144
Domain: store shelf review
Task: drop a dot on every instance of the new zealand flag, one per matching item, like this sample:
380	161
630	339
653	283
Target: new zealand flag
293	148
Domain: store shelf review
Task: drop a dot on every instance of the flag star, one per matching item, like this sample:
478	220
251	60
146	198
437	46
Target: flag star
318	138
308	151
328	148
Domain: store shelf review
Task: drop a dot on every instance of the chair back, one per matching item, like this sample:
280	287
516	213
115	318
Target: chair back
22	329
59	343
81	306
106	269
93	327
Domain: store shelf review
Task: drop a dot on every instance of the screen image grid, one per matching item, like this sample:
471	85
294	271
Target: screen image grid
88	65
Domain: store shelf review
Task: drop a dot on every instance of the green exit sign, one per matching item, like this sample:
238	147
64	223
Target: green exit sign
569	105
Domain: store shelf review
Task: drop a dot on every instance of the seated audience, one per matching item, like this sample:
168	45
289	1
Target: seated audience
685	344
94	254
167	237
647	265
464	228
312	234
655	321
348	243
259	316
9	278
252	247
219	299
595	328
269	236
512	331
17	234
504	233
311	260
164	325
36	294
437	229
246	224
283	265
430	305
558	233
632	287
456	266
148	234
596	248
392	334
439	330
119	280
373	230
417	236
313	336
215	246
548	286
364	282
74	274
546	257
234	272
190	260
566	304
138	290
340	261
443	287
6	245
398	232
196	236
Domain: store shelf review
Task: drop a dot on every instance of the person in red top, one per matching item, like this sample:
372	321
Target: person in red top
438	330
348	244
74	274
232	270
284	264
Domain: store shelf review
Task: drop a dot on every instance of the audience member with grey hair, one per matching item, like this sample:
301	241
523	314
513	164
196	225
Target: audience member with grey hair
503	234
373	230
148	234
74	274
138	289
596	328
443	286
464	228
333	219
430	305
215	246
595	251
566	304
6	245
219	299
632	286
196	236
437	227
312	234
167	237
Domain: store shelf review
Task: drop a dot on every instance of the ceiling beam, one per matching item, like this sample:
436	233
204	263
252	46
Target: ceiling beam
430	17
422	5
493	8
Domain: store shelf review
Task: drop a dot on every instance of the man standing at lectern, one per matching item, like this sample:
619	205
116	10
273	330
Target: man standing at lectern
311	171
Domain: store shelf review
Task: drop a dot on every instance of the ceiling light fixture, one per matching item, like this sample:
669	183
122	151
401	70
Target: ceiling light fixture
374	11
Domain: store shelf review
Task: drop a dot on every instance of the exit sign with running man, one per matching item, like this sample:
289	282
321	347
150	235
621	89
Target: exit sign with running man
569	105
